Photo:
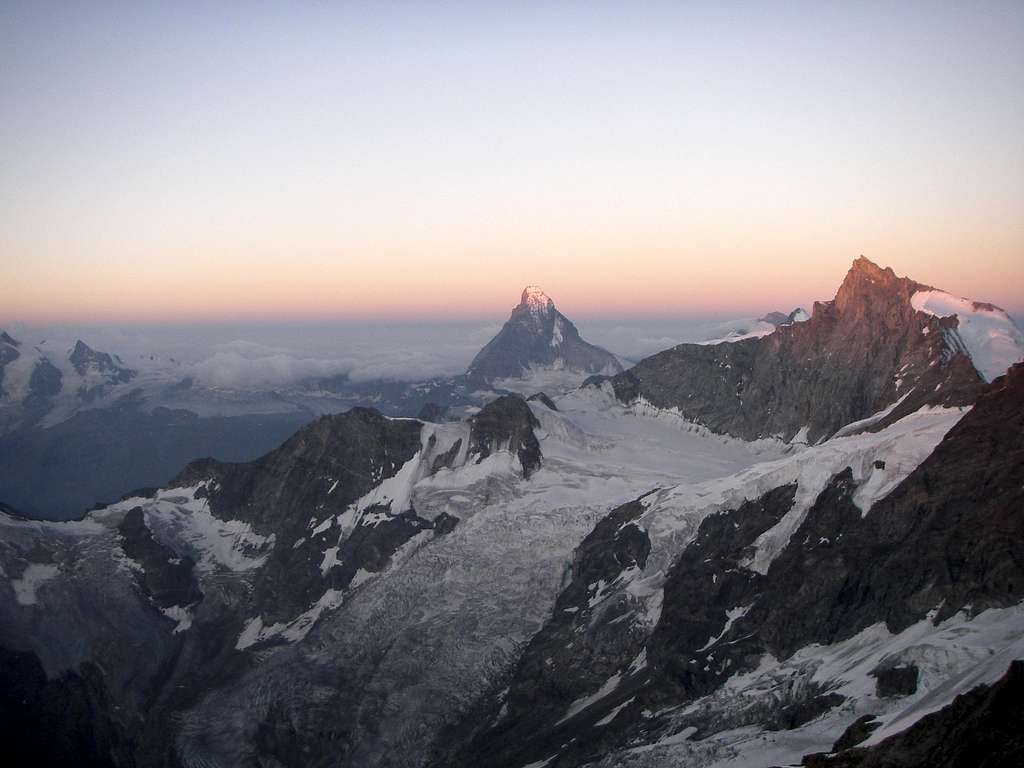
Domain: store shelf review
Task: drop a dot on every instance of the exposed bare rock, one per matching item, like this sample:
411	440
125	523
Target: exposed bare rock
538	336
506	424
983	728
859	354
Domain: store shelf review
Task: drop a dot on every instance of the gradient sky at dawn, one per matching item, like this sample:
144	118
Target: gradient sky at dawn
191	162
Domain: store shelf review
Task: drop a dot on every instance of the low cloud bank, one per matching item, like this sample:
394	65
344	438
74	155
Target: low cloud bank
275	357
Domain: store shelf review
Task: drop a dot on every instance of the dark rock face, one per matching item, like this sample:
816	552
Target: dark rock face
896	681
506	424
570	657
319	471
983	728
445	524
803	711
781	318
950	535
45	381
856	732
544	399
44	384
294	499
775	318
539	335
8	354
857	355
447	459
68	720
167	579
370	547
704	584
109	369
85	359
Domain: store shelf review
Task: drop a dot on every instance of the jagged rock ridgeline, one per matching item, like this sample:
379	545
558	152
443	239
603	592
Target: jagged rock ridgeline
87	360
83	377
392	591
874	347
233	559
506	424
982	727
945	542
537	335
8	353
304	493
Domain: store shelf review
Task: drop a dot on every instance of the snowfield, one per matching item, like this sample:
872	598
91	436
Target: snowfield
953	657
991	338
400	654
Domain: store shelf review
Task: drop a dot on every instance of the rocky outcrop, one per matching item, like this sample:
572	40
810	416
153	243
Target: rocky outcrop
538	336
859	354
87	360
983	728
949	538
314	477
707	591
99	371
798	315
67	720
165	577
582	645
506	423
543	399
8	354
44	384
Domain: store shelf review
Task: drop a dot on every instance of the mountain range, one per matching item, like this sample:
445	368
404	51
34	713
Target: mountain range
802	545
538	336
58	406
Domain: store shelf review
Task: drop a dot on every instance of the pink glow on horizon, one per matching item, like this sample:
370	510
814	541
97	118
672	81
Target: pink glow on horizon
407	290
183	164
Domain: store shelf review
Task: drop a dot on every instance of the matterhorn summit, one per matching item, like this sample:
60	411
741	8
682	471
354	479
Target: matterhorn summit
536	300
537	337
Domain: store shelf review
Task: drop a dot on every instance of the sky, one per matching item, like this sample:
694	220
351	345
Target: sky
307	162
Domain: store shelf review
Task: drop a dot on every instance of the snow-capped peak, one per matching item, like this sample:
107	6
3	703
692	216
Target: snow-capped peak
988	333
535	299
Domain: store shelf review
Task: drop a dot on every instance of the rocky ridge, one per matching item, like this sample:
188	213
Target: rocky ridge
867	352
944	543
537	335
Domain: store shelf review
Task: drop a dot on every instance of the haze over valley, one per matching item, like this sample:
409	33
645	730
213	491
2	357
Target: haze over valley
535	385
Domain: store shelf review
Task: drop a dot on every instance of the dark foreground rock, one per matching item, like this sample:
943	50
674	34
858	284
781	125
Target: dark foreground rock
983	728
949	538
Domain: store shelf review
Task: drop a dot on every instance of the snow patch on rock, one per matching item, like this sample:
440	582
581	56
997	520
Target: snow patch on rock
991	338
35	575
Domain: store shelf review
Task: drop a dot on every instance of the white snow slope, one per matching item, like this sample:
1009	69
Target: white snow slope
989	334
422	640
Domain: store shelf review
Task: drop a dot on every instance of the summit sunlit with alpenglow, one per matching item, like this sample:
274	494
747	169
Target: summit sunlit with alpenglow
596	567
340	162
294	470
537	337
